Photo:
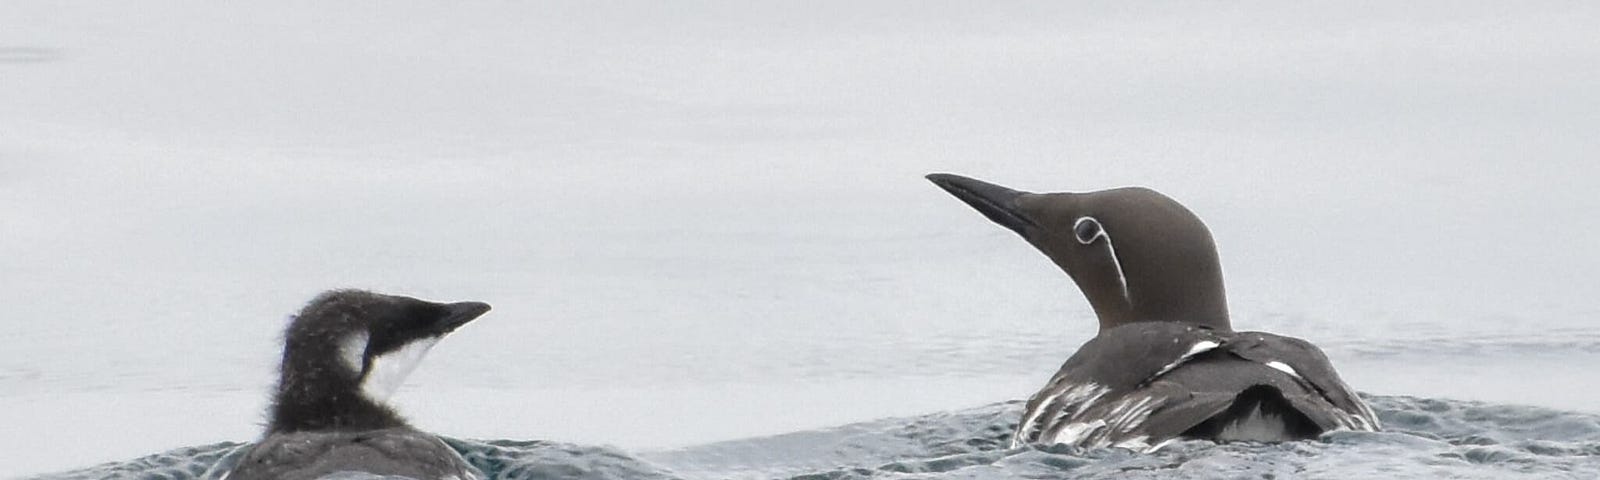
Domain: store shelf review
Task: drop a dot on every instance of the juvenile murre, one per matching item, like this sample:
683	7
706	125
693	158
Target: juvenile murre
343	355
1166	363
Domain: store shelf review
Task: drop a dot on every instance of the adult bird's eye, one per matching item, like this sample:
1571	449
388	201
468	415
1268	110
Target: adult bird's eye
1087	229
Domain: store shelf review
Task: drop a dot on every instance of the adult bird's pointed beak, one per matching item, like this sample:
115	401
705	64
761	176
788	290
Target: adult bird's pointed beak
993	201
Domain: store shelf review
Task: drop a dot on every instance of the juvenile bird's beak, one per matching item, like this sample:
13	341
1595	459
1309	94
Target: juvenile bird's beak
458	314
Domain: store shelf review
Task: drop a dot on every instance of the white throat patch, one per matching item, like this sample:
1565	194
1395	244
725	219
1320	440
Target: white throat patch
388	371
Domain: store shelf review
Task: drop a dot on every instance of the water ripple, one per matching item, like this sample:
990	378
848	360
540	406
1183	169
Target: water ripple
1425	438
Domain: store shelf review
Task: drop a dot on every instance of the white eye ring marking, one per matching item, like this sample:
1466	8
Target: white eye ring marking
1100	232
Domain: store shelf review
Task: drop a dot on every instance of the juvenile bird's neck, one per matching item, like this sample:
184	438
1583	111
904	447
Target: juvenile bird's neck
315	395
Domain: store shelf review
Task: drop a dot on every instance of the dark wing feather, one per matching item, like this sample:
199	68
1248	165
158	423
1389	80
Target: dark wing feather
1096	382
1142	384
1311	367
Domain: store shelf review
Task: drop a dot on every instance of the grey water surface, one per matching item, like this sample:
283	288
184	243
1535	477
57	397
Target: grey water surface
709	247
1426	438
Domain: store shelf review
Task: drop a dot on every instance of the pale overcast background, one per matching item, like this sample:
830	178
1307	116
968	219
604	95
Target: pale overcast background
699	221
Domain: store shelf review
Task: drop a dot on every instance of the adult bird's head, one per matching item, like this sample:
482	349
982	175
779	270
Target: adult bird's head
1137	255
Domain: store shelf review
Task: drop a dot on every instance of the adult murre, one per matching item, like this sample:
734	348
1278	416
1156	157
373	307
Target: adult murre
343	355
1166	363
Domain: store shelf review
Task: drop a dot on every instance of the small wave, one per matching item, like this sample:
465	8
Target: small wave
182	463
511	459
1553	341
1424	438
